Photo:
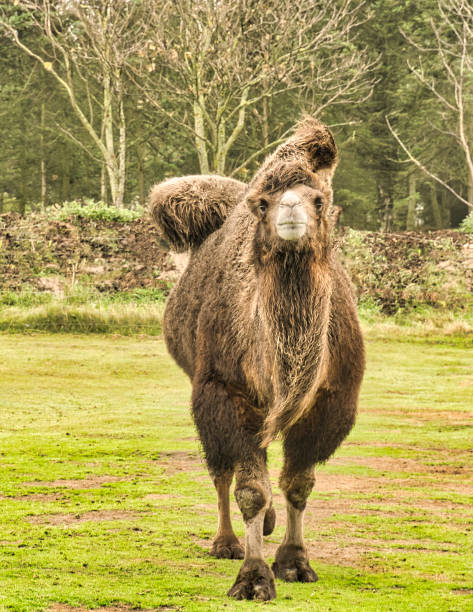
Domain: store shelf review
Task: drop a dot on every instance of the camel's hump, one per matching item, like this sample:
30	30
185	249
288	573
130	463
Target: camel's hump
187	209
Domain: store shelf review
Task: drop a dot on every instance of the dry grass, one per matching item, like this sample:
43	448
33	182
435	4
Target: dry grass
55	317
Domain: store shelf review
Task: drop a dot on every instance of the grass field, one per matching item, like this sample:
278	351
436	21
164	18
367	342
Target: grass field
105	501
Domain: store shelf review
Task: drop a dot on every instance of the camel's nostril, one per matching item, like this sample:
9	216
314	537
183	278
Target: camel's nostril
291	222
290	199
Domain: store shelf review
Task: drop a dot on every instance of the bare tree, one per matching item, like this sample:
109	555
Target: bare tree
85	45
446	71
209	63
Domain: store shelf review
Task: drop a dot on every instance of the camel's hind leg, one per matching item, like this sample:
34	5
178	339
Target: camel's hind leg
214	419
228	447
226	544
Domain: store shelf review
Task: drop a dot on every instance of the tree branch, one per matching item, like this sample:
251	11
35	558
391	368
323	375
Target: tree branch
423	168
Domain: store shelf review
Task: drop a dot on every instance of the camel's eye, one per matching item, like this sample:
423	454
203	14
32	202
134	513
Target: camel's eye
318	203
262	206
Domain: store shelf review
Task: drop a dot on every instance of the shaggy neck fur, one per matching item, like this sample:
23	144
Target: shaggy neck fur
294	292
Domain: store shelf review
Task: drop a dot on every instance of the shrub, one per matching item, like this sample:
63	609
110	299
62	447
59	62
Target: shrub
467	224
90	209
26	298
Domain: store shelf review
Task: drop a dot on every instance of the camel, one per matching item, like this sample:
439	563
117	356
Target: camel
263	321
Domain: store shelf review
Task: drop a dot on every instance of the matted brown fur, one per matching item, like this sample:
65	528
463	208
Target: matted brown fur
266	329
189	208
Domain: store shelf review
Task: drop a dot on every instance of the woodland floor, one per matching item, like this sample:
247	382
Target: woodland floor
105	502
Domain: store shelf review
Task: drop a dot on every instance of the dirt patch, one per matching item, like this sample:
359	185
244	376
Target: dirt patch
73	519
450	416
151	496
448	478
441	453
331	553
42	497
181	461
93	482
399	464
348	555
333	483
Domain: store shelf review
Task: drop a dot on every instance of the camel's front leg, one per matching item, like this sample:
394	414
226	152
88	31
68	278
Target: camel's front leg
255	579
291	562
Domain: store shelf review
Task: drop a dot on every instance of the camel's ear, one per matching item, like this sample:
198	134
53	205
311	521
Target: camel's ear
335	213
317	141
311	149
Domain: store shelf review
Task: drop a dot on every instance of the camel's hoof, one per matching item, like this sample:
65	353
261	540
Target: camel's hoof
255	580
227	548
269	520
292	565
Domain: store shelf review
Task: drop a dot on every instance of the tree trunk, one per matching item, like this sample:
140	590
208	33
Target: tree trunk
23	170
42	157
411	207
385	209
470	189
220	155
141	175
200	144
103	184
121	149
111	162
445	208
265	126
22	194
437	216
388	213
224	142
65	178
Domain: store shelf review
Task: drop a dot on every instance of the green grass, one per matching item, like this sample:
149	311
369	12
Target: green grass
83	310
105	502
124	319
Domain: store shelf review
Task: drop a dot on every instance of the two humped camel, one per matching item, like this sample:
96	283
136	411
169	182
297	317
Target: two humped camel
263	321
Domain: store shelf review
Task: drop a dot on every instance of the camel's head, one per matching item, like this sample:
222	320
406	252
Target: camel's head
291	195
296	213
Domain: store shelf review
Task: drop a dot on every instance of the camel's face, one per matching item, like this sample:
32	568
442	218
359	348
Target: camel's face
292	215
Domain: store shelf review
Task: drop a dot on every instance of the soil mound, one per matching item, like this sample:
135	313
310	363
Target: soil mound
395	271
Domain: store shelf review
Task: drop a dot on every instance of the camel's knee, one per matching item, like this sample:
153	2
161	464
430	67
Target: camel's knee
251	499
297	487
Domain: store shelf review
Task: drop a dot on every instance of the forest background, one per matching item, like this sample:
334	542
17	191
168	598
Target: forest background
101	99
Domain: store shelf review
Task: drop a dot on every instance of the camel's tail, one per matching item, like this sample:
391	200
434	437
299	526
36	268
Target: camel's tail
190	208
